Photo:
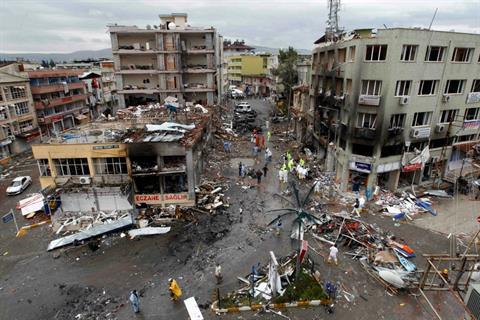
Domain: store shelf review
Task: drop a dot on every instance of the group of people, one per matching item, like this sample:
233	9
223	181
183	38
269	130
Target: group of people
173	288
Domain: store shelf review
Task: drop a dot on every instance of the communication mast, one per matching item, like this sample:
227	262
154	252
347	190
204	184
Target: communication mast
333	31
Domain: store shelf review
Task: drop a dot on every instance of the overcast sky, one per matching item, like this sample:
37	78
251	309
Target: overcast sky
70	25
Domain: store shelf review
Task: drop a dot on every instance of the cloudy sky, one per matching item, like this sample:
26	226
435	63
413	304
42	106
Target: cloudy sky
70	25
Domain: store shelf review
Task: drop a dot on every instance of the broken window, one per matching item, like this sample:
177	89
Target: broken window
363	150
409	52
462	54
21	108
144	164
44	168
26	125
376	52
421	119
476	86
174	163
467	137
17	92
110	165
454	86
397	120
366	120
175	183
434	54
351	53
427	87
72	167
146	184
472	114
394	150
371	87
448	115
403	88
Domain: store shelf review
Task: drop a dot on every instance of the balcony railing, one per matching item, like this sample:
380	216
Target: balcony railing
56	87
44	103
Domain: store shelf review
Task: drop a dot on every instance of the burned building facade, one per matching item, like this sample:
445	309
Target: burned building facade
376	96
161	163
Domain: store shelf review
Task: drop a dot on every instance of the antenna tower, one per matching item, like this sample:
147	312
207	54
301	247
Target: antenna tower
333	31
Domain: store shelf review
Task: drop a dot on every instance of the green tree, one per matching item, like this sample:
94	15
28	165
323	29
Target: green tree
287	72
51	63
45	64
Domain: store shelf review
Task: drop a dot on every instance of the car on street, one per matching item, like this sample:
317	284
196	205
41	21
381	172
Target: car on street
18	185
237	94
244	107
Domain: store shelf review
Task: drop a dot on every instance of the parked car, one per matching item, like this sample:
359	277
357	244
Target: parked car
244	107
18	185
237	94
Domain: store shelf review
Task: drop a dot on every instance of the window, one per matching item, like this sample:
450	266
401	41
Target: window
376	53
467	137
3	113
21	108
476	86
409	52
448	115
72	167
342	55
366	120
25	125
397	120
110	166
403	88
454	86
44	168
351	53
427	87
362	149
1	95
434	54
462	54
421	119
17	92
472	114
371	87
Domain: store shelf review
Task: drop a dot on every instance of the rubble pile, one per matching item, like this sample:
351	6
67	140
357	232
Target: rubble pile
68	222
210	196
87	303
405	205
381	255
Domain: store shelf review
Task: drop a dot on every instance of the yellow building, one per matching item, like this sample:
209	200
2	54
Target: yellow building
249	65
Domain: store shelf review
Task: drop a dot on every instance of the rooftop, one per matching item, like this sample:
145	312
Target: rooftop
7	78
54	73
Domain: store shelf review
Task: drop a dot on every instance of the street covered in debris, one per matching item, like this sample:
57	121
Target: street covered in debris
232	226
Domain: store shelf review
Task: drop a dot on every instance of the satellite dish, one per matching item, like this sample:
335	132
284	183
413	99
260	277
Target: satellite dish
172	26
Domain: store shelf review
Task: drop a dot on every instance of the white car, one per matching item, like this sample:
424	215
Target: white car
18	185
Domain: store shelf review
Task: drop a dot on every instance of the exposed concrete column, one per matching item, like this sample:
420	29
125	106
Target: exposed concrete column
190	173
91	166
121	100
114	40
393	178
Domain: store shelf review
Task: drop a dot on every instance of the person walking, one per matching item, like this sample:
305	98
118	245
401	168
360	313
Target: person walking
135	301
240	164
279	226
265	170
218	273
174	289
333	254
269	135
259	176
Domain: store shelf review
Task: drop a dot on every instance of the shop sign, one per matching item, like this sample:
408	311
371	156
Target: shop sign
361	166
148	198
175	197
388	167
113	146
412	167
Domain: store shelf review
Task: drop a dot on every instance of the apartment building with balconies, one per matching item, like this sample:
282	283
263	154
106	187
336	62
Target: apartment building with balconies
59	98
169	59
18	123
383	96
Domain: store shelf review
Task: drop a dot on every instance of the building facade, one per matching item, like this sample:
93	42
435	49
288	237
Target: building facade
382	97
171	59
250	71
18	123
59	98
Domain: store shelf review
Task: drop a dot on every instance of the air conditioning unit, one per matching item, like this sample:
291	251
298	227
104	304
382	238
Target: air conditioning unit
472	300
415	133
404	100
446	98
439	128
85	180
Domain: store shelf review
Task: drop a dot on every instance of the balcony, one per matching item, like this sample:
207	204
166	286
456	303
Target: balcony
56	87
58	116
199	70
368	100
365	133
59	101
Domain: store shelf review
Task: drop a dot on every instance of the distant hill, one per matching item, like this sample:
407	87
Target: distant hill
59	57
97	54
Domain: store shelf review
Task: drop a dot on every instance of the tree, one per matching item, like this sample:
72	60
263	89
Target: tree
287	71
45	64
51	63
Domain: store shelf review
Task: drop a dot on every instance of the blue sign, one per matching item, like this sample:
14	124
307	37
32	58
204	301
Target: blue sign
363	166
8	217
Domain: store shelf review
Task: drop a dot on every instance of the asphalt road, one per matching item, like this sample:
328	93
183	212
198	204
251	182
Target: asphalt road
31	280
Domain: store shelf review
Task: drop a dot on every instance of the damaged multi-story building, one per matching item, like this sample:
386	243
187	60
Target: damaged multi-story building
168	59
378	97
160	161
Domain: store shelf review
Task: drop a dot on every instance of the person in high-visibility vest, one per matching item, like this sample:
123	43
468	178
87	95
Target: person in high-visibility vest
175	290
